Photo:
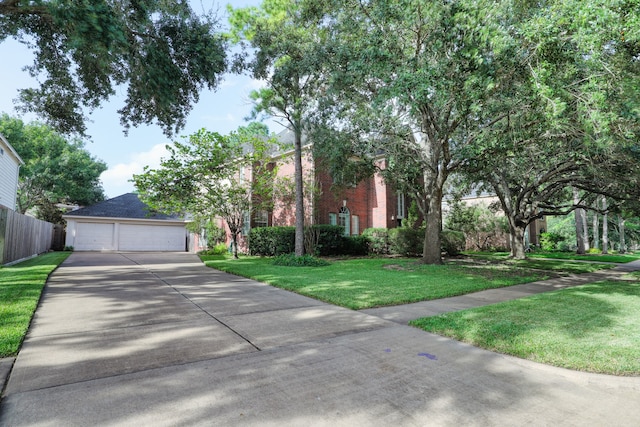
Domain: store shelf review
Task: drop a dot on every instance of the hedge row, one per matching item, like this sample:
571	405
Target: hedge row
320	239
272	241
410	241
327	240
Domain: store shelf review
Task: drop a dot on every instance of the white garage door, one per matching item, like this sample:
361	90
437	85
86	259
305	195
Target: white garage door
152	237
94	236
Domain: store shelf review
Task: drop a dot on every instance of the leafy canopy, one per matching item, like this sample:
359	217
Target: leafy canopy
162	52
213	176
56	170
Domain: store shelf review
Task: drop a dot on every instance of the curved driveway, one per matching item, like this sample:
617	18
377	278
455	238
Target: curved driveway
159	339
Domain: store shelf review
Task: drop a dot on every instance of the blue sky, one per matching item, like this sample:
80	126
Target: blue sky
222	111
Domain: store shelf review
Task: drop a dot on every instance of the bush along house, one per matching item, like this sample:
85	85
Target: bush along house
370	203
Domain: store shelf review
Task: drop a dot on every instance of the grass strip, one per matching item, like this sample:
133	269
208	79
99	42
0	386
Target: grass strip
590	328
375	282
20	289
569	256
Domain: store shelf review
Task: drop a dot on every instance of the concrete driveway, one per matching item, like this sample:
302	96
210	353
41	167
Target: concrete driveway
158	339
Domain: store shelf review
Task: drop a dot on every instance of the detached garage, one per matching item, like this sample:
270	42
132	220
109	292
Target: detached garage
124	223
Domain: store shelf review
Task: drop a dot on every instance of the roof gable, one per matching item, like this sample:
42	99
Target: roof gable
126	206
4	143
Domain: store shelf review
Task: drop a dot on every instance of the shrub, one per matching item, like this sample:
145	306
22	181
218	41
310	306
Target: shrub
453	242
271	241
549	241
290	260
215	236
483	230
406	241
594	251
320	239
219	249
378	240
331	239
355	245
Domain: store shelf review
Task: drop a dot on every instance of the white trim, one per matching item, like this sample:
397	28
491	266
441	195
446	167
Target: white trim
142	221
344	214
73	225
11	149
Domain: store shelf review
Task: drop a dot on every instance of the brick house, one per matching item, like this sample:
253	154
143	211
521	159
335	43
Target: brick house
369	203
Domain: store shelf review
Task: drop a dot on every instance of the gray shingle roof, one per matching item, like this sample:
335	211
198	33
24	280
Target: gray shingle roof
126	206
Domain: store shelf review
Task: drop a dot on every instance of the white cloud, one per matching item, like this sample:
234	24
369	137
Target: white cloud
254	84
227	83
115	180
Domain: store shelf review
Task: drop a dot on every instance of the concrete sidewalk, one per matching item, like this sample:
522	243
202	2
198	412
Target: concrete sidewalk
159	339
404	313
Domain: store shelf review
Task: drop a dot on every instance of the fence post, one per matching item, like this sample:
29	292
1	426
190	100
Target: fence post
3	232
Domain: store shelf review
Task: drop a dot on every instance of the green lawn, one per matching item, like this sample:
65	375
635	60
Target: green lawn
374	282
616	258
20	288
590	328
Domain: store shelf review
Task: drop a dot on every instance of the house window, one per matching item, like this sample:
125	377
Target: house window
246	224
344	220
401	206
355	224
340	179
261	219
333	219
241	174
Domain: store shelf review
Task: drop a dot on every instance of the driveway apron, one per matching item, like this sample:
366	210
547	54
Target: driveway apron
123	339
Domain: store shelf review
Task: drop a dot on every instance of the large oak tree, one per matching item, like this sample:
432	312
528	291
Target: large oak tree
418	81
161	52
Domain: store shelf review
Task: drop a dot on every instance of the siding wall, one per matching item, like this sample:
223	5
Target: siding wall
9	167
22	236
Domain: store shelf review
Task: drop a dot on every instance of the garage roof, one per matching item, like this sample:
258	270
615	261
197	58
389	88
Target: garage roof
126	206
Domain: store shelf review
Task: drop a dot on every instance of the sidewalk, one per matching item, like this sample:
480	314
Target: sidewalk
159	339
404	313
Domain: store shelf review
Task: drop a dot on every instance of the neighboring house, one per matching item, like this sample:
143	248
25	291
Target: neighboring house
124	223
10	163
486	199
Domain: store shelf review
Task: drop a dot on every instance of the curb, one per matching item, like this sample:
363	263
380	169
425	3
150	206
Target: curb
6	364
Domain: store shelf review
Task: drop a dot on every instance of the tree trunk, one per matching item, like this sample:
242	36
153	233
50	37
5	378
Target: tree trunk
580	225
516	239
432	250
585	230
605	227
623	243
234	242
299	214
596	228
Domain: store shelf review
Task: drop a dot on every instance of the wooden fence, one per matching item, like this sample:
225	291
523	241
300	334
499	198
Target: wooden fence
22	236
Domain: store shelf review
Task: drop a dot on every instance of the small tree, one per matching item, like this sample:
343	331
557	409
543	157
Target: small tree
204	177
